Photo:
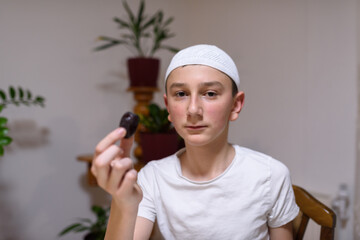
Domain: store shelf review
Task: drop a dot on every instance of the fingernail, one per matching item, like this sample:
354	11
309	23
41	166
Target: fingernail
121	132
133	172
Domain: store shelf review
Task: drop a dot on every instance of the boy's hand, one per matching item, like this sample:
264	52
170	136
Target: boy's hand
114	169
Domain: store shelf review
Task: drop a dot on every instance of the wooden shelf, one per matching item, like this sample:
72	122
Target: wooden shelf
143	97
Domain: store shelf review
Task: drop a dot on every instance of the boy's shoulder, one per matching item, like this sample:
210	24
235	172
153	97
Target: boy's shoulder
167	165
259	159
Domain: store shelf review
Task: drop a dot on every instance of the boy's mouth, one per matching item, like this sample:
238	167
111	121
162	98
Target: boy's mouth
195	127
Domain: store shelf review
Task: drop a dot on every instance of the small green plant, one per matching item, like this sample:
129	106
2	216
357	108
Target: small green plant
4	138
95	229
137	29
157	120
15	97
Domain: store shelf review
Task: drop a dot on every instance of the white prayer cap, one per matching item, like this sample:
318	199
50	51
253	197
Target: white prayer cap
208	55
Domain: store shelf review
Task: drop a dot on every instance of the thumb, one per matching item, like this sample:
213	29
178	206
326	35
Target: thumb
125	145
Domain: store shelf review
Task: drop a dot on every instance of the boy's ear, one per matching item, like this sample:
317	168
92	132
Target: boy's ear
166	104
237	105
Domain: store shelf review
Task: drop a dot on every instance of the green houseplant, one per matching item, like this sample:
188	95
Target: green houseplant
160	138
14	97
95	230
157	120
144	36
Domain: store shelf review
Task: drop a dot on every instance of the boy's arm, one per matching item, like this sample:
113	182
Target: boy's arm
143	228
114	172
282	233
126	225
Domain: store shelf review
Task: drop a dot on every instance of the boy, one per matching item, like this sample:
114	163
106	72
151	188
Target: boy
211	189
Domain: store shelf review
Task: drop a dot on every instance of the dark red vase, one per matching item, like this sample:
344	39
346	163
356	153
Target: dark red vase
143	72
159	145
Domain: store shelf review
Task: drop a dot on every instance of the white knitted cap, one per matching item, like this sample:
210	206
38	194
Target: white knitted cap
208	55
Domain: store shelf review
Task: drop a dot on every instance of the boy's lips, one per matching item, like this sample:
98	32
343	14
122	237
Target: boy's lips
195	127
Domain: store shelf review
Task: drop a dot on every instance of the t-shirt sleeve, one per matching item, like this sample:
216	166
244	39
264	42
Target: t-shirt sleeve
282	199
146	206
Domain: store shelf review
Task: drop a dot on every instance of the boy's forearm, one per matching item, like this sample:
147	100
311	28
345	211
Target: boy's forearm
121	224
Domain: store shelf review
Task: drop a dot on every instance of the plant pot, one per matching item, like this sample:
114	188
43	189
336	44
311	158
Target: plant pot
159	145
143	72
94	236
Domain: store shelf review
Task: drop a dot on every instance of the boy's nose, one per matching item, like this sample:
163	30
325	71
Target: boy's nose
194	107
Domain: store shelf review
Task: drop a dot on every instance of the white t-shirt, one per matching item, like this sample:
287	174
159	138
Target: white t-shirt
252	194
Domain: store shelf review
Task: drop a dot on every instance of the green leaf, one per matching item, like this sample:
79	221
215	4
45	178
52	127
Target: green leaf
39	100
72	227
3	121
160	16
140	12
2	95
154	109
5	140
21	93
12	92
121	22
128	36
1	107
168	21
150	22
108	39
105	46
4	131
28	95
157	120
129	12
85	220
99	211
1	151
81	229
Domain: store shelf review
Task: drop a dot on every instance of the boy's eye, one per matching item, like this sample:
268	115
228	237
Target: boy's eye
211	94
180	94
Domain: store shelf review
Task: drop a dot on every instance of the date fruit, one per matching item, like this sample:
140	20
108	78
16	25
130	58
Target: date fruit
129	121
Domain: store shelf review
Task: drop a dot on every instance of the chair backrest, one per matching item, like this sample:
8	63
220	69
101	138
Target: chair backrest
311	208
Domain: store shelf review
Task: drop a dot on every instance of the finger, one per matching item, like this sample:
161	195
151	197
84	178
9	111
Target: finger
101	164
128	183
118	170
125	145
109	140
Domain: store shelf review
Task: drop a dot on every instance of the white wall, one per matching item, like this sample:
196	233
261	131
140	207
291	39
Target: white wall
356	209
297	63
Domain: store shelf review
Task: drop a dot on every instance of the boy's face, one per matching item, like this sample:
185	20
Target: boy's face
200	104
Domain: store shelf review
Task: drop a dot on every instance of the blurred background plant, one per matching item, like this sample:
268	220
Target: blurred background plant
137	32
157	120
14	96
95	229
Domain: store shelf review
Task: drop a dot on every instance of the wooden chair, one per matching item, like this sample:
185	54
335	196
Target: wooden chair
311	208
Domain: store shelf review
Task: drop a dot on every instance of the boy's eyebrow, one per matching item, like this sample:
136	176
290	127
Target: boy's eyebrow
177	84
203	84
212	83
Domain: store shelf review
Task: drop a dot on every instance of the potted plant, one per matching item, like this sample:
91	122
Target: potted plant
15	97
144	36
95	229
160	138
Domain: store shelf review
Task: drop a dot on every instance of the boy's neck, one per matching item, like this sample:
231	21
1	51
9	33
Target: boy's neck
206	162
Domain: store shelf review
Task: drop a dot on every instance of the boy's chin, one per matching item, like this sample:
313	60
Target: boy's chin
197	141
